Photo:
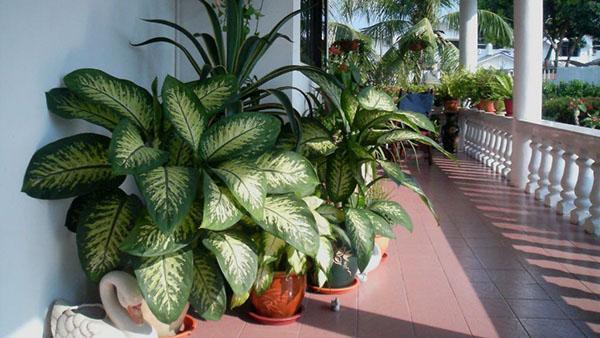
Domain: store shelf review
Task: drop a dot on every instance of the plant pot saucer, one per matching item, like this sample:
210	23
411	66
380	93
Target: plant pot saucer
189	326
384	257
276	321
335	291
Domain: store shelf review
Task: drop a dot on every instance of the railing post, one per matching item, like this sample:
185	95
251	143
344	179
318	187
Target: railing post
544	172
502	153
534	167
582	190
508	167
556	173
567	195
592	223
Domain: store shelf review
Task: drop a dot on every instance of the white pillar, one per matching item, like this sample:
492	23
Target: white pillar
527	91
468	34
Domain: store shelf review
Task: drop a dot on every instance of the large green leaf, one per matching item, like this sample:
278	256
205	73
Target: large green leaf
208	297
166	282
373	99
236	258
146	239
331	213
129	154
366	119
349	104
78	207
417	119
393	213
323	226
168	192
315	138
64	103
290	219
264	279
340	179
215	92
240	135
324	256
380	225
180	153
288	172
220	212
102	228
184	111
362	236
69	167
125	97
246	184
400	135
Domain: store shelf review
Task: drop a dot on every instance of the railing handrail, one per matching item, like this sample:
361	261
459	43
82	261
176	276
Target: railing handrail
500	122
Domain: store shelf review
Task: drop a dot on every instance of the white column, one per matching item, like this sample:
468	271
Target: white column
468	34
527	91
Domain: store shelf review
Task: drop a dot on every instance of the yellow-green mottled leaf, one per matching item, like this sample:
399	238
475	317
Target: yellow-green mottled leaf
393	213
331	213
340	179
168	192
70	167
264	278
101	230
288	172
361	234
220	212
64	103
290	219
208	297
246	184
373	99
238	300
129	154
236	258
296	261
180	153
124	97
184	110
324	256
166	282
240	135
349	104
215	92
418	120
316	140
146	239
380	225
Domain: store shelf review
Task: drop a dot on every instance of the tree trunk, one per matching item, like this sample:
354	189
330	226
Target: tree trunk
573	45
558	50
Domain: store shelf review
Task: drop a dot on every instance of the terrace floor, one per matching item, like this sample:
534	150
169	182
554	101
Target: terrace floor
499	264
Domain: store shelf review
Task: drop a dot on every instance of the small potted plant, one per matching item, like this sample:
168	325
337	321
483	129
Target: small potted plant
484	85
503	88
452	88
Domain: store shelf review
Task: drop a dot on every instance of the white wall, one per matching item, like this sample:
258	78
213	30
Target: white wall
40	42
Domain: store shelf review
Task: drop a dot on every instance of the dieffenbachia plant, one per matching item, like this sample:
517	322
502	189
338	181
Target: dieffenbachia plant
347	143
209	183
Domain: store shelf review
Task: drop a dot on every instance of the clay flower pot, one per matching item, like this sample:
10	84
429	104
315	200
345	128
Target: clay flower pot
488	106
416	46
508	105
189	326
451	105
282	299
383	243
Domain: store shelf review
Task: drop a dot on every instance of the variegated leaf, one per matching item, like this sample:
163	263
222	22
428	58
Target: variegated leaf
69	167
129	154
166	282
102	228
373	99
208	297
380	225
220	212
271	247
184	110
264	278
323	226
125	97
349	104
362	237
331	213
400	135
288	172
168	192
64	103
146	239
240	135
246	184
215	92
324	256
393	213
366	119
238	300
78	207
340	179
296	261
180	153
289	218
417	119
236	258
316	140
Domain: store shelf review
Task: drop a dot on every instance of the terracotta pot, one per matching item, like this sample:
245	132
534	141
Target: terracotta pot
451	105
508	105
478	105
416	46
283	298
189	326
383	243
488	106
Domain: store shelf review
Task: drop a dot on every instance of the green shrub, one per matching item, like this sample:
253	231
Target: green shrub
575	88
577	111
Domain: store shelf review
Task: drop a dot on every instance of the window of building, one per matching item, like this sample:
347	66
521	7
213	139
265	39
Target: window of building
313	36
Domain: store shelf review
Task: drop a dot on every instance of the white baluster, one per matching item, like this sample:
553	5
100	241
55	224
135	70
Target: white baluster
486	144
506	170
534	166
473	139
503	148
582	190
569	178
544	172
468	137
592	223
556	173
489	154
480	142
497	148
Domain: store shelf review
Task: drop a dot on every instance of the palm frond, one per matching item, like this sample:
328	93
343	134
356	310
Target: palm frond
492	27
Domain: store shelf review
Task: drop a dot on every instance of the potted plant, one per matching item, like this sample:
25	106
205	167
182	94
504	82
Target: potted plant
484	85
503	87
452	88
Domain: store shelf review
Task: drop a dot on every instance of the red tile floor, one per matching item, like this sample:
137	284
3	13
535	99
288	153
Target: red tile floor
498	265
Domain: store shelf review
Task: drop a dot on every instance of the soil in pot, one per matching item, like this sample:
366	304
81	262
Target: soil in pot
282	299
488	106
508	104
451	105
